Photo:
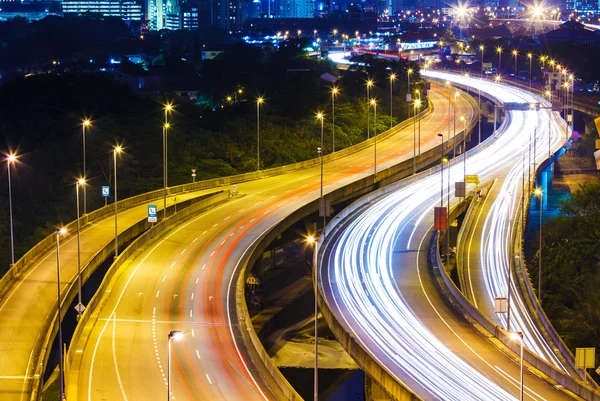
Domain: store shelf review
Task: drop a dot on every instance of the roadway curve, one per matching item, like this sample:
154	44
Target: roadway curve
184	282
374	278
30	299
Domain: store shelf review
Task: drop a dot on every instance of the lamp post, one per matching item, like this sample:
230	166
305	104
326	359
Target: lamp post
80	308
499	51
11	159
321	117
417	105
369	84
530	56
464	120
312	240
334	92
61	384
515	53
481	48
392	78
86	123
166	126
456	95
374	104
408	72
259	101
116	150
442	175
175	335
540	194
518	336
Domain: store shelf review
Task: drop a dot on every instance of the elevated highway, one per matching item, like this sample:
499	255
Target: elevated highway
189	280
381	297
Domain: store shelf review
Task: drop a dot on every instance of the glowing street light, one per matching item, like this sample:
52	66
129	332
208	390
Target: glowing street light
540	194
177	336
59	231
515	53
11	159
334	92
320	116
417	105
369	84
85	125
408	73
373	103
530	56
80	308
259	101
166	126
117	150
499	51
392	78
518	336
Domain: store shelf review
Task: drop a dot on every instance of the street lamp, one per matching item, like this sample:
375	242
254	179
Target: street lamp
86	123
175	335
454	110
117	150
312	240
80	308
374	104
334	92
442	175
392	78
515	53
11	159
499	51
464	120
529	56
61	384
166	126
481	48
540	194
417	106
369	84
518	336
259	101
408	72
320	150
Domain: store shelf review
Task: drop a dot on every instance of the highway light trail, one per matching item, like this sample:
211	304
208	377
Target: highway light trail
383	242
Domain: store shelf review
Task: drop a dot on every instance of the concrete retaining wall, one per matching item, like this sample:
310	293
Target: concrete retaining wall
194	206
537	366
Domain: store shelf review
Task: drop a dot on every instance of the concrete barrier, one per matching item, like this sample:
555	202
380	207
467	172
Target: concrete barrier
45	245
534	364
186	209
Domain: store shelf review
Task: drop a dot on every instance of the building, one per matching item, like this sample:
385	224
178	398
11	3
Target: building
227	15
129	10
571	32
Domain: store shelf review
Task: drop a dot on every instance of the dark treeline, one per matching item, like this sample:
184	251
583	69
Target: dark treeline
41	117
571	268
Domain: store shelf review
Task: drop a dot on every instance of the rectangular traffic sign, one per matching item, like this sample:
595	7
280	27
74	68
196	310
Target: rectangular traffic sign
105	191
585	358
472	179
152	214
440	218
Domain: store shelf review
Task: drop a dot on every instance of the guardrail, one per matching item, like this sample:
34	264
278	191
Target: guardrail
116	269
48	243
537	366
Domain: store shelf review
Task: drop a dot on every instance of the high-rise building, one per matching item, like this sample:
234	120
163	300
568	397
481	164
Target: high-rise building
227	14
129	10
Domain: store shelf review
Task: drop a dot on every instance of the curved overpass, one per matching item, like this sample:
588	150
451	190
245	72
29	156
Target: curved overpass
374	281
186	280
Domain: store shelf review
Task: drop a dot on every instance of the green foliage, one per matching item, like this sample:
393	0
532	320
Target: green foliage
571	268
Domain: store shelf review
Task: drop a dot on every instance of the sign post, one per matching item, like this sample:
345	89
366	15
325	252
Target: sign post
585	358
193	175
105	193
152	215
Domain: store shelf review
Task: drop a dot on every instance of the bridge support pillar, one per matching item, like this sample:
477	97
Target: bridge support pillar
373	392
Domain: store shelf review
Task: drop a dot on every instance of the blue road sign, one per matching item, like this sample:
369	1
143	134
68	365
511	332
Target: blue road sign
152	214
105	191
